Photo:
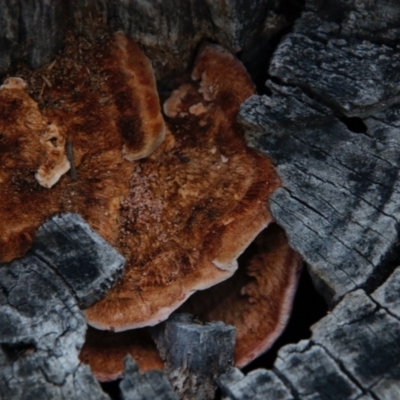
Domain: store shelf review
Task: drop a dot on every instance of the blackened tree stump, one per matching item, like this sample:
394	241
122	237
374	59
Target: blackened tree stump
353	353
195	354
42	328
331	124
148	386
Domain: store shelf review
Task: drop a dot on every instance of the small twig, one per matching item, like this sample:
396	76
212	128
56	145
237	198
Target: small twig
50	67
40	97
46	81
71	159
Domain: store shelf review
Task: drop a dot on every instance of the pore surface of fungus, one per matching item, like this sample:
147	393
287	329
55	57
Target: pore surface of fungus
194	205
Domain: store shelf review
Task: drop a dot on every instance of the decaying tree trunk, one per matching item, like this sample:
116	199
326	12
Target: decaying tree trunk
42	328
353	353
148	386
169	31
195	354
330	123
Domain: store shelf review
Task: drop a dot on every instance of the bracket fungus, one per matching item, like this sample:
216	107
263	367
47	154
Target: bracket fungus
179	200
256	300
203	194
105	351
193	205
96	97
29	136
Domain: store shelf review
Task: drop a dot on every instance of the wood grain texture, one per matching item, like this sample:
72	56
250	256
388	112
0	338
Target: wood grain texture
144	386
204	352
339	200
42	328
353	353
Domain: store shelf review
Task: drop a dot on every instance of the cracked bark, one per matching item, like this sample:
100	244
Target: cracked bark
339	203
353	353
148	386
329	170
170	32
204	352
42	328
340	197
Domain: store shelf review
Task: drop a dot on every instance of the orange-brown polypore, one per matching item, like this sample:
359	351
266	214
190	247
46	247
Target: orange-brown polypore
140	122
181	216
31	138
102	97
193	206
56	163
257	300
105	351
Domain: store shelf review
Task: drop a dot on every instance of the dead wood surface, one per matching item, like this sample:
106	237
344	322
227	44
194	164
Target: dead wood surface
353	353
195	354
42	328
331	126
340	201
144	386
35	31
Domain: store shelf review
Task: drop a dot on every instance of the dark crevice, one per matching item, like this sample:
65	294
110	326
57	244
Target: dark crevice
308	308
384	269
257	53
15	351
112	389
354	124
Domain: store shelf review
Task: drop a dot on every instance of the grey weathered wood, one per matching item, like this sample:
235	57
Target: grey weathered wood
356	77
340	202
364	338
31	30
376	21
259	384
84	260
41	326
354	353
340	198
151	385
170	32
195	354
41	333
313	374
388	294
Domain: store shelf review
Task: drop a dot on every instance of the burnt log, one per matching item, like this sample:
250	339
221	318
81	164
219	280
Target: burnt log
355	77
151	385
331	128
42	328
354	353
259	384
340	198
88	265
195	354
